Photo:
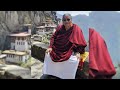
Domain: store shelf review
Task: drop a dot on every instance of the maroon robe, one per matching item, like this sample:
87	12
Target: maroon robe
63	43
100	63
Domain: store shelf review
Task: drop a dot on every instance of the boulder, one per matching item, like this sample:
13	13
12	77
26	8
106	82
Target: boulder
38	50
14	72
36	69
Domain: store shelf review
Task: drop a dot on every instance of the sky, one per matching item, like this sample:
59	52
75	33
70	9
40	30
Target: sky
74	13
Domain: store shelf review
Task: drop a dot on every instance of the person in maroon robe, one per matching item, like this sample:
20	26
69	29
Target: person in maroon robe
67	39
100	62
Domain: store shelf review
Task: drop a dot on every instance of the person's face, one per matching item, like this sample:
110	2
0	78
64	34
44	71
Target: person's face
67	21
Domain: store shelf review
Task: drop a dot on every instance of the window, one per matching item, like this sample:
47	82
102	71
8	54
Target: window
22	38
20	58
18	38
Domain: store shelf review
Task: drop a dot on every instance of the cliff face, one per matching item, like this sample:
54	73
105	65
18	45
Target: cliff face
11	21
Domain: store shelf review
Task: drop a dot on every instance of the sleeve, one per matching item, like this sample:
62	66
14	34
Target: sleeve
80	49
80	46
77	36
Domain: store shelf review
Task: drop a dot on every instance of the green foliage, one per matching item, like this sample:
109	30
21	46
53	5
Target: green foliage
46	39
27	64
83	74
27	20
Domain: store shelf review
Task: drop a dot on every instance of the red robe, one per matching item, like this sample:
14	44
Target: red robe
100	63
63	43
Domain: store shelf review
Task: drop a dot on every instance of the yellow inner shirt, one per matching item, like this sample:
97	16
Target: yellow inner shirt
84	56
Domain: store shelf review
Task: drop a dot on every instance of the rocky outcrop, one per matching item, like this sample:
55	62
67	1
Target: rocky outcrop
14	72
36	69
117	75
17	72
38	50
12	21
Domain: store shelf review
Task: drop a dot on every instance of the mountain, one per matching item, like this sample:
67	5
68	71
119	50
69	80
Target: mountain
107	23
59	15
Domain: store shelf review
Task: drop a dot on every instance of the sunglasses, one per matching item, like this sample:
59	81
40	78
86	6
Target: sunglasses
66	20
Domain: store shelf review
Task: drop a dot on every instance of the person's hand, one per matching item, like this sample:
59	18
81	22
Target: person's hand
48	50
78	56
